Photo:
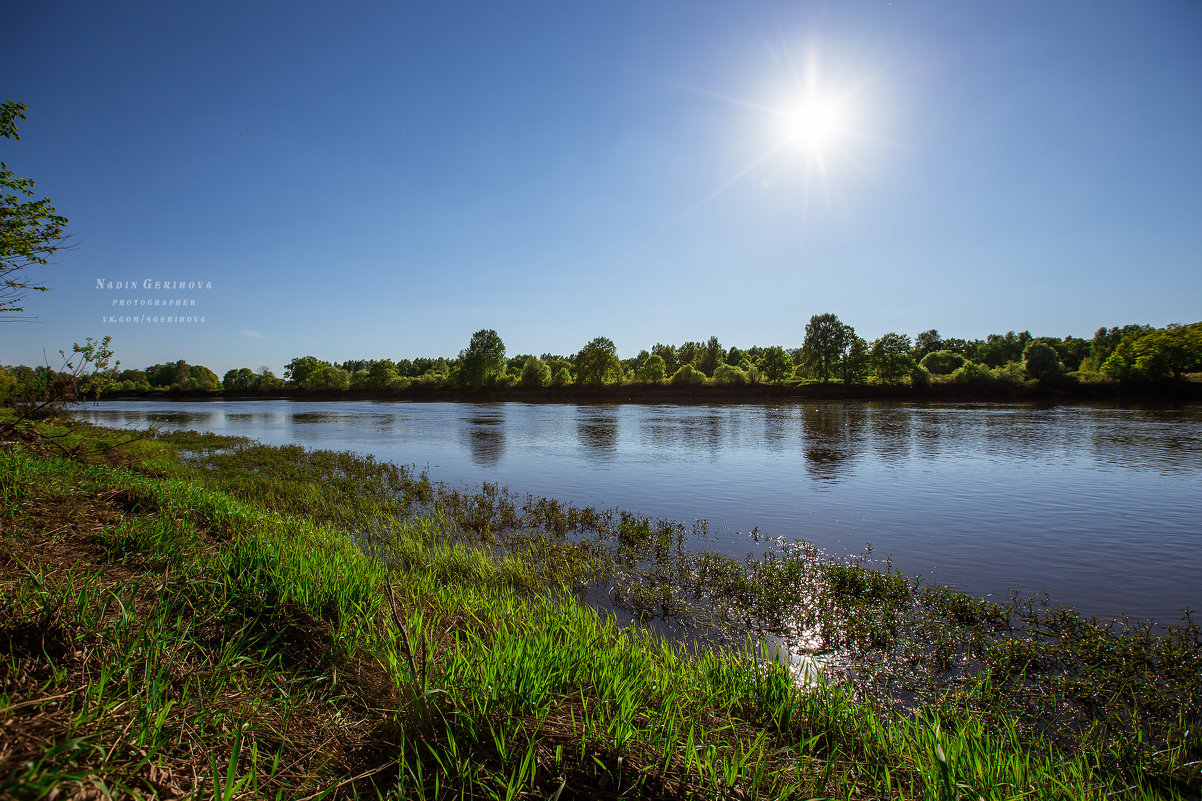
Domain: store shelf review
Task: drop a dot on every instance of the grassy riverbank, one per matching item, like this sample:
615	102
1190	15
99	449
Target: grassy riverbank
199	615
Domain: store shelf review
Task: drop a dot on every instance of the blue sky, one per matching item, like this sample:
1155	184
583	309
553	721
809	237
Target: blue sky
379	179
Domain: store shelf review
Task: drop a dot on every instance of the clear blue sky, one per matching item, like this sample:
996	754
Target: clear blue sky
381	179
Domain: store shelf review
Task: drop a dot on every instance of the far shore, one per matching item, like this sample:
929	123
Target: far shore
761	393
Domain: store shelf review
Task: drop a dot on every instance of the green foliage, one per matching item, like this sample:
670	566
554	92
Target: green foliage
535	372
919	376
776	364
298	371
7	384
482	360
328	378
242	379
561	378
653	370
729	375
942	362
201	379
712	355
1042	362
668	354
856	364
891	359
1156	354
382	375
267	381
973	374
998	349
826	342
597	362
688	376
30	230
927	342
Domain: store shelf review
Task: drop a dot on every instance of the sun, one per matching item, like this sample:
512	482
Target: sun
814	124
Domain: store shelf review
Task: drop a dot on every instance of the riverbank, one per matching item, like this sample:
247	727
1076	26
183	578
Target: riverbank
939	392
188	612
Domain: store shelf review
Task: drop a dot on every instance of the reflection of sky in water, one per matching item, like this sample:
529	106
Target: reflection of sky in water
1098	505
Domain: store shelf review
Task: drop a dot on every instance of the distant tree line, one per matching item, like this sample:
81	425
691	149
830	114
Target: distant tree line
831	352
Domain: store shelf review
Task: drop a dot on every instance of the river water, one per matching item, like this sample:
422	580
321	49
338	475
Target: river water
1098	506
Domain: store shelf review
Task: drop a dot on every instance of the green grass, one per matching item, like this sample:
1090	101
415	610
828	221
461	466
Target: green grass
258	622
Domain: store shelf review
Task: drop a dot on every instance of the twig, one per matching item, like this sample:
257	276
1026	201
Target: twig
396	615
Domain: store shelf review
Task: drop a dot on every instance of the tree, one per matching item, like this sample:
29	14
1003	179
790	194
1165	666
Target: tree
927	342
1041	361
298	371
328	378
854	368
776	363
535	372
826	342
168	376
652	370
381	374
597	362
891	359
30	230
668	354
483	358
241	380
711	356
201	379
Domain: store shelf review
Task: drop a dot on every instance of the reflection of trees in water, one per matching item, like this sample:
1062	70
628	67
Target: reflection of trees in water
891	428
778	421
1167	441
833	435
486	437
312	417
705	431
597	429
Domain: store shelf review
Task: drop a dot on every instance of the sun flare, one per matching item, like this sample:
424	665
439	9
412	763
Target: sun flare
815	123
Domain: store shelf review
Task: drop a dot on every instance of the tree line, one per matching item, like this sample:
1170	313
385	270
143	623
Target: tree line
831	352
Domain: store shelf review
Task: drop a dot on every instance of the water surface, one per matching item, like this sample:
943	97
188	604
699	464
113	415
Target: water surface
1097	506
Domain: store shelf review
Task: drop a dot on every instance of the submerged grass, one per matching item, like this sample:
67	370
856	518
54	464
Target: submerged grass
243	621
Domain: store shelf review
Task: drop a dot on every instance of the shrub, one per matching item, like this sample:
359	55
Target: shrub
562	377
729	375
919	376
942	362
688	375
973	373
1010	374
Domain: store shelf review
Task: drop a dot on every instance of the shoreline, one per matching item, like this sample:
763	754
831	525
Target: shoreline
715	395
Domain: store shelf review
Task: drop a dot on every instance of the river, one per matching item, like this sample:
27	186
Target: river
1098	506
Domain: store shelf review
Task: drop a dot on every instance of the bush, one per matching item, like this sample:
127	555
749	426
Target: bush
1010	374
973	373
942	362
688	376
562	377
920	376
1042	362
729	375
